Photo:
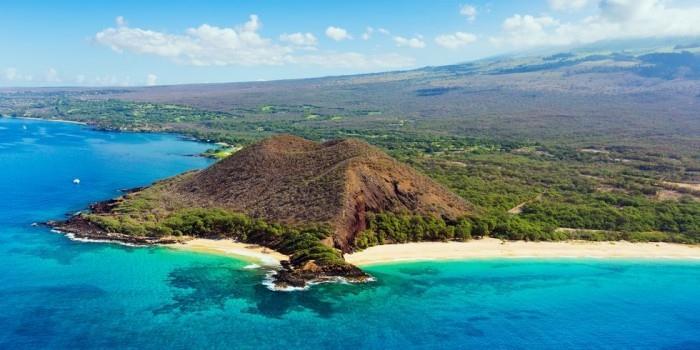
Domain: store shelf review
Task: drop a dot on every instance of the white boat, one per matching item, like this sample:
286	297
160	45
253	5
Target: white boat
76	181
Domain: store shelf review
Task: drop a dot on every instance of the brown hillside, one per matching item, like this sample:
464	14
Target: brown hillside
292	180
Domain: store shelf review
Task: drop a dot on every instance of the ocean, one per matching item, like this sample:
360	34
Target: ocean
59	293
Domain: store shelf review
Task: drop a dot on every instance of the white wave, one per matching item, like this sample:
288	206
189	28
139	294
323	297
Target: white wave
269	282
72	237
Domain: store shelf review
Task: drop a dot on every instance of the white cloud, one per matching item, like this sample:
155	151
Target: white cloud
11	74
528	23
107	80
568	5
622	10
414	43
243	45
337	33
52	76
614	19
202	46
120	21
151	79
368	33
527	30
456	40
468	11
299	39
354	60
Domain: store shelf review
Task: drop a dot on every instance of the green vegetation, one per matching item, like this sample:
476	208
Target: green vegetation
615	212
300	243
221	152
120	115
572	193
385	228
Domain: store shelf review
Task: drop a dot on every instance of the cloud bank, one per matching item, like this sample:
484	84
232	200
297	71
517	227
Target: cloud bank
456	40
613	19
243	45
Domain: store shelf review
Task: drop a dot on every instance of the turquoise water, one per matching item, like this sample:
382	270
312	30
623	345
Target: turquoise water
57	293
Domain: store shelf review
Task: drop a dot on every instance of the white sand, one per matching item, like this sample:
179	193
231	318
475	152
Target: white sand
252	252
494	248
475	249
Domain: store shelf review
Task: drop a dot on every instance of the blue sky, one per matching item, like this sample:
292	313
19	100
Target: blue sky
49	43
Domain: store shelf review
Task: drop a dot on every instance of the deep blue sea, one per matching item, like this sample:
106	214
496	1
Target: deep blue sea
58	293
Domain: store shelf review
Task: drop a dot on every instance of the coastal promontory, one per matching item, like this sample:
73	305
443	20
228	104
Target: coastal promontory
309	200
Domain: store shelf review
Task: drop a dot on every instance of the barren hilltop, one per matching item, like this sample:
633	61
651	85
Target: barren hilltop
291	180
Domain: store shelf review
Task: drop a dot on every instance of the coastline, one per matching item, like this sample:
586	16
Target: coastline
46	120
494	248
249	252
180	134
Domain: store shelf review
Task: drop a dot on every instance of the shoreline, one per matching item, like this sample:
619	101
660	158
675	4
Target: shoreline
180	134
46	120
492	248
244	251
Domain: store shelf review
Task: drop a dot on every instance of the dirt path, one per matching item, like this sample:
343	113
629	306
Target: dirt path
518	209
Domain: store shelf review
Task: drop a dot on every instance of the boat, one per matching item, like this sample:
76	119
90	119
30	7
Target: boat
76	181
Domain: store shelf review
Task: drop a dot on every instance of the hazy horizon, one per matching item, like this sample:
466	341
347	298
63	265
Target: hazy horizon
165	43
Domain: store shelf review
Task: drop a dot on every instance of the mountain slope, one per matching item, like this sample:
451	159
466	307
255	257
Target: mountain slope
612	92
291	180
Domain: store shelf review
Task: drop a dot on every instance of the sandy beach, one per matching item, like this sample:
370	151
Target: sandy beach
494	248
475	249
251	252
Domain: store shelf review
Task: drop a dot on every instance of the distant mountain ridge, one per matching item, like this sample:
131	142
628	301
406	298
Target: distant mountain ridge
576	96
